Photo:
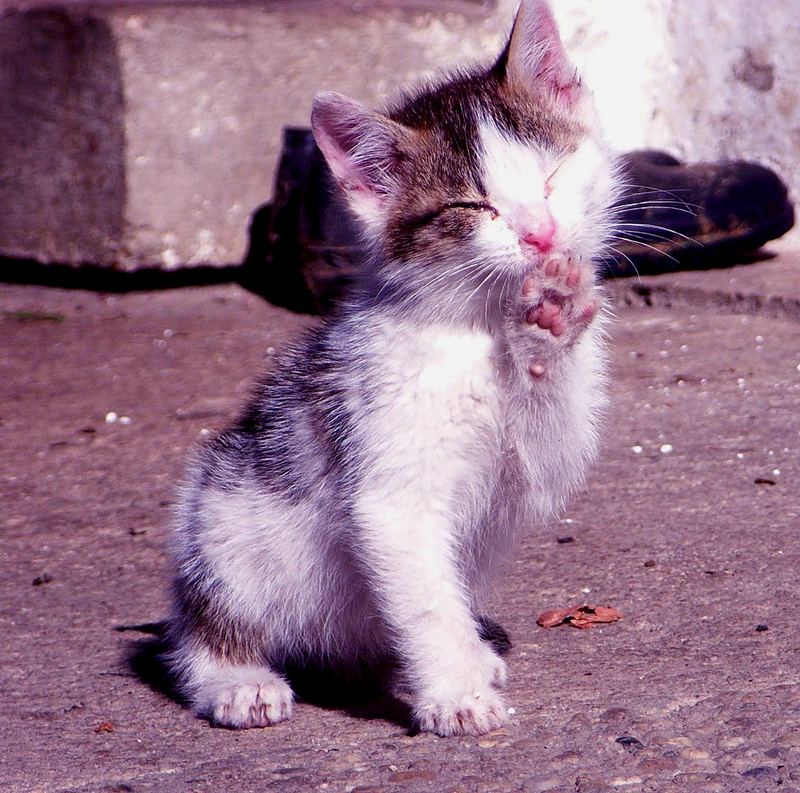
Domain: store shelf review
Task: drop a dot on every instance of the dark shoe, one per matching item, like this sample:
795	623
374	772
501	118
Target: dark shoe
675	216
672	217
305	248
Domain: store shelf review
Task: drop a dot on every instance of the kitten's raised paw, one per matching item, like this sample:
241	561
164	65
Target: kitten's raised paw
560	299
240	705
475	713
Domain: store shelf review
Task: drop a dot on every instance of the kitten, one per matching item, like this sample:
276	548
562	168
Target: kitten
360	506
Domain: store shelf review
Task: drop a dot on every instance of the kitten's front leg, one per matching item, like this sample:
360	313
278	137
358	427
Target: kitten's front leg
557	303
453	673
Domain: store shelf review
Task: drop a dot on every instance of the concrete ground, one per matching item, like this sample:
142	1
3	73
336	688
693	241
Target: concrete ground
688	525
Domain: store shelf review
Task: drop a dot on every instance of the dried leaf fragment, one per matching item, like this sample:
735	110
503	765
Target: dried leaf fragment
579	616
549	619
105	726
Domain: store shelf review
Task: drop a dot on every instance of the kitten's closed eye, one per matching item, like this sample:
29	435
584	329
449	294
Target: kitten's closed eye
478	206
473	206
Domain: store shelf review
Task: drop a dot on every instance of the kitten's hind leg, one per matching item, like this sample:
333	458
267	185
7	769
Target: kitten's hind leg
232	695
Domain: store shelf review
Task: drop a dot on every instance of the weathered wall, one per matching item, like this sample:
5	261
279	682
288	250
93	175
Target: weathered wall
209	96
703	78
137	136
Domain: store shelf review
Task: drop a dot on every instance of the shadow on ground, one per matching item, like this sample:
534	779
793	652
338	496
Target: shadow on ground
363	693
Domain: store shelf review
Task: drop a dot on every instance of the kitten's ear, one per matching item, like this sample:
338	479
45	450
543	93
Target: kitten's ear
362	149
535	57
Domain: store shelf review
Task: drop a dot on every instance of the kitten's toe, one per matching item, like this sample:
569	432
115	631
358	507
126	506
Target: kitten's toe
548	316
554	266
241	705
588	312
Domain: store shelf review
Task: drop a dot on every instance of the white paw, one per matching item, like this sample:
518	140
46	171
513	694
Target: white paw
466	702
470	713
243	704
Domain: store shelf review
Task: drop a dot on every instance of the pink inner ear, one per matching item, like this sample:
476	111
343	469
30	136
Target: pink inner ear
536	54
361	147
571	92
339	162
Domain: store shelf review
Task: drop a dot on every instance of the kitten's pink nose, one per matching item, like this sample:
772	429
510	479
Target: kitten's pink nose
541	236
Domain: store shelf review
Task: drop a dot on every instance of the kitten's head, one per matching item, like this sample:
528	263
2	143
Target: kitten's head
469	184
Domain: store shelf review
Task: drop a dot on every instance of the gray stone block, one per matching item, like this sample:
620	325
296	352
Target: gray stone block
147	136
62	169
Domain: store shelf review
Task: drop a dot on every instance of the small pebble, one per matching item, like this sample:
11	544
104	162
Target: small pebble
45	578
637	449
695	754
125	420
511	711
761	772
111	417
542	785
732	743
587	784
678	740
650	563
653	764
564	540
776	471
761	628
630	744
666	448
690	778
413	776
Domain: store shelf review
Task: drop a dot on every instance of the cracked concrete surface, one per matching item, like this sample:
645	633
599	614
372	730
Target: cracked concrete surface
688	525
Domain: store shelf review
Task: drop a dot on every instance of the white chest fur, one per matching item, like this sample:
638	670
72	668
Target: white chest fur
434	416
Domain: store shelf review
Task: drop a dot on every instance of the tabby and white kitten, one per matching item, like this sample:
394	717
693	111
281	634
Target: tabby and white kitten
360	505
